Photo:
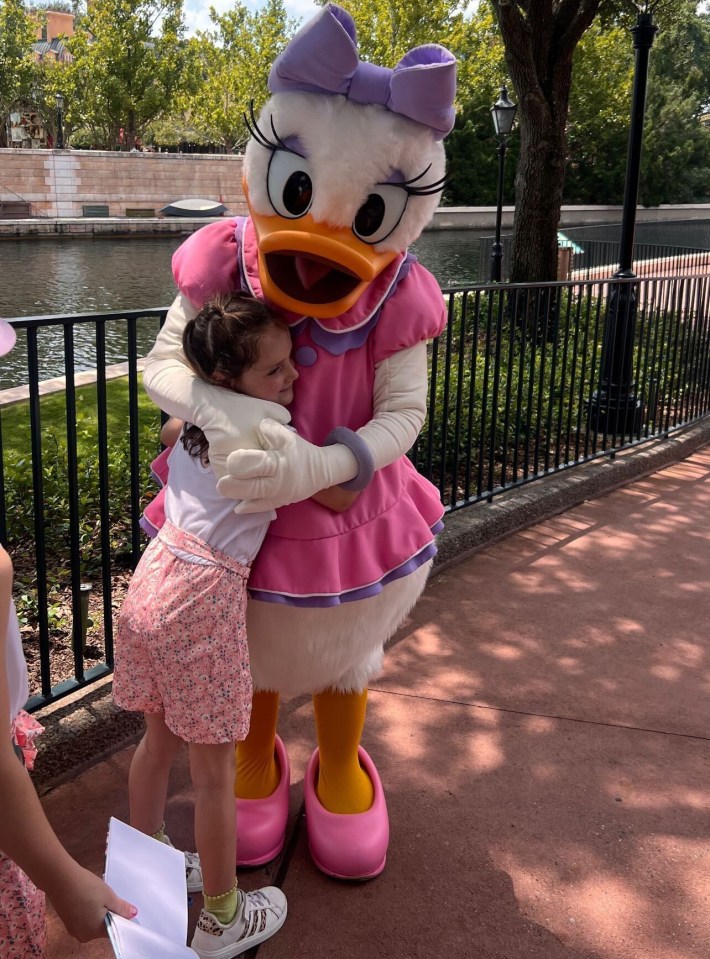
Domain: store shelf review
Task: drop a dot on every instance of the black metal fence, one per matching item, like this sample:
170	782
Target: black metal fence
513	375
511	381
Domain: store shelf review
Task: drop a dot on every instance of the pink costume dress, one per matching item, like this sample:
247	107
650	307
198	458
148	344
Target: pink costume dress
22	911
312	557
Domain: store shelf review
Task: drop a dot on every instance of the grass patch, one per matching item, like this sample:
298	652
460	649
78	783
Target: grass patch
52	510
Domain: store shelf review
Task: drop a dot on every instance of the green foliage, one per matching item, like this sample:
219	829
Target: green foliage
598	126
515	387
471	152
676	161
510	398
19	502
472	158
175	129
17	65
387	29
59	6
130	65
233	61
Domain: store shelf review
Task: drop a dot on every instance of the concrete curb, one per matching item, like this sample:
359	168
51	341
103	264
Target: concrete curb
86	727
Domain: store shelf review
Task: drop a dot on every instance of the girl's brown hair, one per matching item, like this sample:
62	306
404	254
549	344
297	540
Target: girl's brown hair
220	344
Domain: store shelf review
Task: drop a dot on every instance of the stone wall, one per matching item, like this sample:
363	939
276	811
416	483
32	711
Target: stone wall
60	183
483	217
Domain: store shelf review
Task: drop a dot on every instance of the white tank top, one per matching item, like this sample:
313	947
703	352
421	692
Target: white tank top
193	504
15	665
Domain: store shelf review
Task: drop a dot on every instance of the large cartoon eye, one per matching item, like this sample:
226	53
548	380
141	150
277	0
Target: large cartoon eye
289	184
380	213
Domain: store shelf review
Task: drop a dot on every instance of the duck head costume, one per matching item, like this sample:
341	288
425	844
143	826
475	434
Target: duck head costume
344	169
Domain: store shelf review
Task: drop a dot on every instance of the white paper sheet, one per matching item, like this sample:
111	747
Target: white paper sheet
131	941
150	875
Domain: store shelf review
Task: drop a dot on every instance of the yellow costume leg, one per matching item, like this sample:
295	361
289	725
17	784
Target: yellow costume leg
257	769
343	786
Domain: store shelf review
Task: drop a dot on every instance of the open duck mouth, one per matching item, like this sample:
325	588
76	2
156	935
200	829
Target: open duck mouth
310	278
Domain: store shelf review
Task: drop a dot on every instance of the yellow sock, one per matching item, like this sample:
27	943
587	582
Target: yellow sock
160	834
343	786
257	770
223	907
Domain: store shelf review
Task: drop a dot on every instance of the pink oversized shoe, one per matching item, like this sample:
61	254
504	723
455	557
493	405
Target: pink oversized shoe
347	846
261	823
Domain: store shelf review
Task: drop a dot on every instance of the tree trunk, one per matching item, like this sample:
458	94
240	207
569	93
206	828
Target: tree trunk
131	131
539	181
540	39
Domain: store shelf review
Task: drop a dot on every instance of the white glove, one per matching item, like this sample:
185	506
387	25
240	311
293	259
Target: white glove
289	469
229	420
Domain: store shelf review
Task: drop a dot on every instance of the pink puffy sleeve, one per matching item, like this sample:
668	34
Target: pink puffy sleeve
206	264
415	312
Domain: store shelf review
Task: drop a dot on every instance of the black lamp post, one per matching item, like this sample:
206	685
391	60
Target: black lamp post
59	100
503	113
614	407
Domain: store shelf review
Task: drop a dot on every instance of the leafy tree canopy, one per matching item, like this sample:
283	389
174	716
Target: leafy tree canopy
676	161
17	65
540	41
130	62
233	60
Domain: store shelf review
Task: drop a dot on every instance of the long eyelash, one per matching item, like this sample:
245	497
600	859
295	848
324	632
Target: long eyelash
415	178
278	138
259	135
256	133
430	189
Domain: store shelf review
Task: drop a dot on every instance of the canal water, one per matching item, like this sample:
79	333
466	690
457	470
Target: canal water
68	275
77	275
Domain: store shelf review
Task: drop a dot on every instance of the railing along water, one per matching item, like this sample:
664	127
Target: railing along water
511	380
593	259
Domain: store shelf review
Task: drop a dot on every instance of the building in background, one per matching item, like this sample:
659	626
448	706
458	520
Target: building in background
26	127
54	25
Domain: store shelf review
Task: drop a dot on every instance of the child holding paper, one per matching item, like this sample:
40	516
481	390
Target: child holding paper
32	860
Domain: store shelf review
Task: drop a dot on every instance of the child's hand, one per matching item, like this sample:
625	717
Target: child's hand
170	433
336	498
82	905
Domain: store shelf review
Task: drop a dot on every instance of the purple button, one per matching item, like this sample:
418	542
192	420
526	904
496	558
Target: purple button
305	356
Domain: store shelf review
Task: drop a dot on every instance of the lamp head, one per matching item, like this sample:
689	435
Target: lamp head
503	113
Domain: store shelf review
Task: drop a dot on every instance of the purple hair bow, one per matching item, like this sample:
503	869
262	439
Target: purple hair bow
322	58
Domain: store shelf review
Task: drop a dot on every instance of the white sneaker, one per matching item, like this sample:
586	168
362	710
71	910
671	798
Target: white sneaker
193	869
260	914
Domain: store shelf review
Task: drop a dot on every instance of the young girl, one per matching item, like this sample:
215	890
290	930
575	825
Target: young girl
181	653
31	853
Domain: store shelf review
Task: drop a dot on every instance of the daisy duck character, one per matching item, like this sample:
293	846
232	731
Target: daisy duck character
344	169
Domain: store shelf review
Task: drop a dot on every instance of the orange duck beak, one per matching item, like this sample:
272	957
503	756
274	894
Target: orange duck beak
312	269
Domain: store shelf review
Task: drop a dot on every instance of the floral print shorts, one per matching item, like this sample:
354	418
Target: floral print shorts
23	933
181	643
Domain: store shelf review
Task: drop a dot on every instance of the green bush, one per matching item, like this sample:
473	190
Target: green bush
55	517
510	402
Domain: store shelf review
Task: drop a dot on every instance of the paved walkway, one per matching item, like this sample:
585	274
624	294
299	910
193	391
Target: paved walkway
542	731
